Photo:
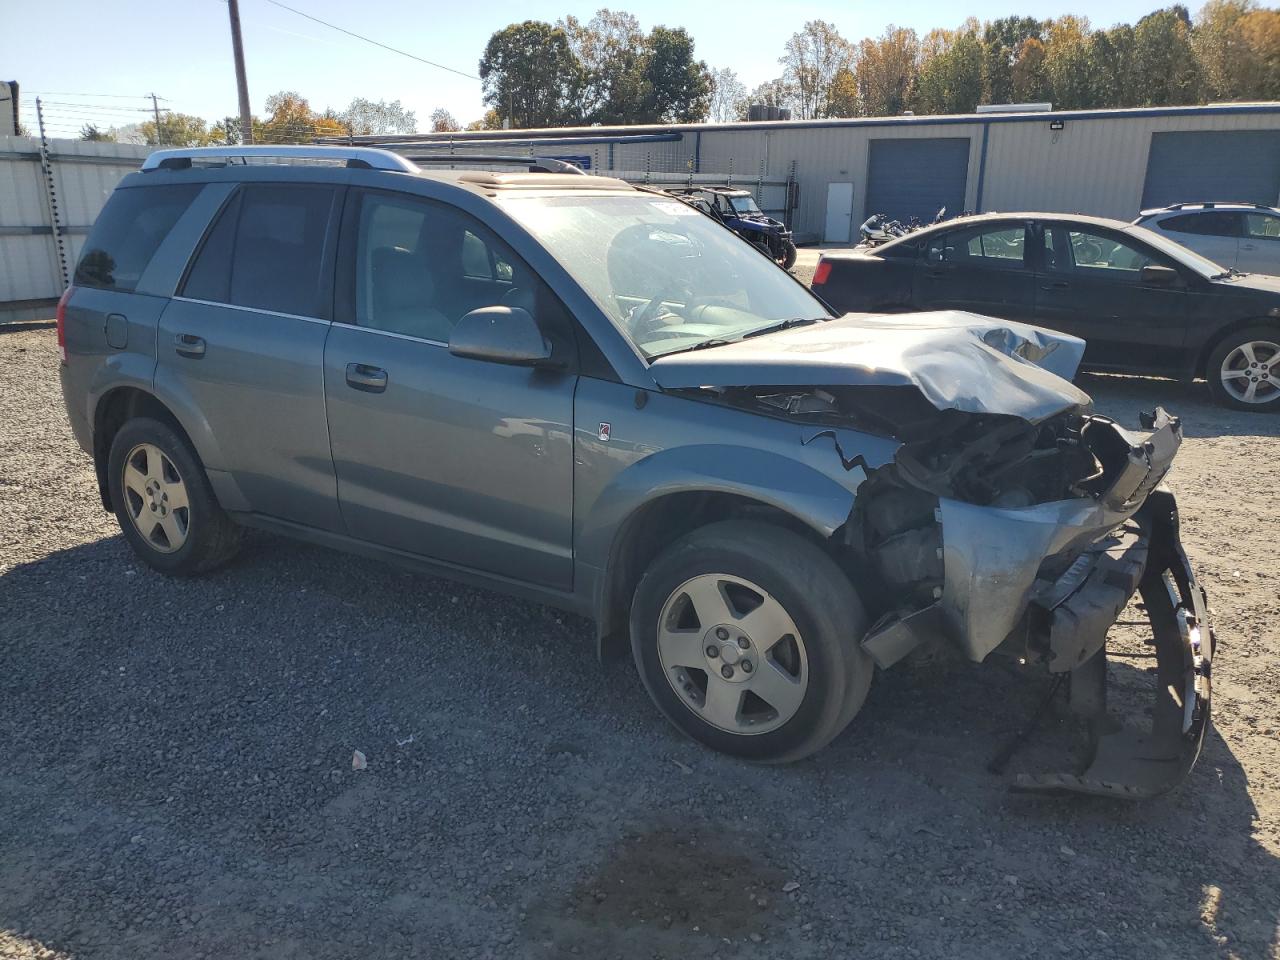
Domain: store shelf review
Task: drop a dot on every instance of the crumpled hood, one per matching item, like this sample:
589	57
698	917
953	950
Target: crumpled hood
957	360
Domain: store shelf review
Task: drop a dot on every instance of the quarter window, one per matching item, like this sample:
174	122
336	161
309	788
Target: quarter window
129	230
265	251
1262	226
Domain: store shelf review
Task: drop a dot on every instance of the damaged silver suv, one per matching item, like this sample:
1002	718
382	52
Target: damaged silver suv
581	392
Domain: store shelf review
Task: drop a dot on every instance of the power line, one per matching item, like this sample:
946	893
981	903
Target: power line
120	96
376	43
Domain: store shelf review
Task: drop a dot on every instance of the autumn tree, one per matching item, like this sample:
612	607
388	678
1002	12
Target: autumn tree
1002	42
1028	80
950	78
1068	62
813	58
442	121
1260	32
377	117
886	72
175	130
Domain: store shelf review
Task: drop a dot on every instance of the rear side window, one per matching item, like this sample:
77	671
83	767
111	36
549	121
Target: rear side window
265	250
1219	224
128	232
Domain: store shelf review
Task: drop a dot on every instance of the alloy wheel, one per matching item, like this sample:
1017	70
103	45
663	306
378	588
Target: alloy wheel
732	654
156	498
1251	372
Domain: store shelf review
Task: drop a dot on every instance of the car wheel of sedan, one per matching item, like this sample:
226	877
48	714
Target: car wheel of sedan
746	637
1244	370
163	501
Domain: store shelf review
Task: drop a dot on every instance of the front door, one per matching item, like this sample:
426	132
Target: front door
839	223
243	343
982	269
1091	286
462	461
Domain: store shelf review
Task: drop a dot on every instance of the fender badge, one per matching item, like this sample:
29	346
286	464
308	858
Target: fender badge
604	432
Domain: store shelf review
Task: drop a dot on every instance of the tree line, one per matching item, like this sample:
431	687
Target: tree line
607	71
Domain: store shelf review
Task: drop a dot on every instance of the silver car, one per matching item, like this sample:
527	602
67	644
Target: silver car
1240	236
588	394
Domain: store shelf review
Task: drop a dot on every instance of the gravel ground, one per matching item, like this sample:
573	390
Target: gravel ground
176	776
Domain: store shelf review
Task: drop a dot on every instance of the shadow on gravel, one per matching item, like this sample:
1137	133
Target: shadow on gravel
176	781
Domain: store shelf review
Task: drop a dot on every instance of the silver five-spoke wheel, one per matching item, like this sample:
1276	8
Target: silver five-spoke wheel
1251	372
732	654
156	498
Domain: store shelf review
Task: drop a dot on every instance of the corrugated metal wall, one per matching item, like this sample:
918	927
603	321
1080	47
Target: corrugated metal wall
84	174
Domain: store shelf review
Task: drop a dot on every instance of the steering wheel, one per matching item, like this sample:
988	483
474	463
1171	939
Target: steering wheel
648	313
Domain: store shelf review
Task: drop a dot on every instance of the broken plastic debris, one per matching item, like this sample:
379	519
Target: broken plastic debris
790	886
358	761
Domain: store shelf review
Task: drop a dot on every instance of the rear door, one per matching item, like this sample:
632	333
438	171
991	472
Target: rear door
980	268
1211	233
243	343
462	461
1091	286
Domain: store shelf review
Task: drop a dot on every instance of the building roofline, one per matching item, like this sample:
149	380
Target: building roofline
667	131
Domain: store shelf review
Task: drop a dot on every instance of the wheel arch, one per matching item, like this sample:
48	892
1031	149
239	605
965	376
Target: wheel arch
1206	349
808	503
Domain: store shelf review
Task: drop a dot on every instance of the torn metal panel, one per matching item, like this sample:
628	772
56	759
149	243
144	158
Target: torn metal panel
958	361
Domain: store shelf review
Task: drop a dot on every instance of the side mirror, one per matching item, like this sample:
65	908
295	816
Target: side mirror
1158	276
500	335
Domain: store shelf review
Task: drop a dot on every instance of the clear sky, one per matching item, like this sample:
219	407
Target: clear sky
65	50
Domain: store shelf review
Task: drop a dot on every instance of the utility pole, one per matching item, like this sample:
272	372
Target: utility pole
155	109
242	85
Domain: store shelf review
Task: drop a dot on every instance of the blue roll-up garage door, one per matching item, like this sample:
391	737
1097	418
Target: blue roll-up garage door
1219	165
914	177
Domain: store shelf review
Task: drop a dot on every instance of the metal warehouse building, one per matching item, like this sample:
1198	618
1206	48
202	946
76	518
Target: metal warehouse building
837	172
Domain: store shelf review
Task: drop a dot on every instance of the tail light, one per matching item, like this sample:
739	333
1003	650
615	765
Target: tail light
61	317
822	273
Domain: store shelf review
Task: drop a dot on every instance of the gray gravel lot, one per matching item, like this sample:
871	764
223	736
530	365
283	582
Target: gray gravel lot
176	777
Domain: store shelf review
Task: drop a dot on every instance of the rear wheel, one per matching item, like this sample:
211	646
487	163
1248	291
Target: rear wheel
1244	370
746	637
163	501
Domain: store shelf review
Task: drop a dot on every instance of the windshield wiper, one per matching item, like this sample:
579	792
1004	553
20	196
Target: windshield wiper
1231	273
781	325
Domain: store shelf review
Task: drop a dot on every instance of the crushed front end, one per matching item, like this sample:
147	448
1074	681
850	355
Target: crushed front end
1030	540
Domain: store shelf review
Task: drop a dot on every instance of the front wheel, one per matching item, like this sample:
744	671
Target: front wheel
746	637
789	254
1244	370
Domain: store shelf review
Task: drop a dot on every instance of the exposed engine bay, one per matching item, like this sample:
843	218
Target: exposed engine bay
1028	539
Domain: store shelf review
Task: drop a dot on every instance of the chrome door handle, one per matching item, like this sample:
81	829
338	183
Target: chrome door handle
189	345
361	376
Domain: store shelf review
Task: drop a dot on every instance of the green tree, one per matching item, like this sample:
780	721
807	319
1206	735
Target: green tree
490	121
1220	48
531	76
175	130
813	58
1166	72
950	79
886	72
1002	42
1115	84
1069	63
677	87
771	93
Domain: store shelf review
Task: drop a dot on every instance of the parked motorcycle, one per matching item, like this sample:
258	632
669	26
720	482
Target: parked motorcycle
878	228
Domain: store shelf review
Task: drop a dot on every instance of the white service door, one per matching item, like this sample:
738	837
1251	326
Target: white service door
839	224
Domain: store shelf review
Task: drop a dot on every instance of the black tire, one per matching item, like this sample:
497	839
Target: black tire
789	254
211	537
814	593
1268	359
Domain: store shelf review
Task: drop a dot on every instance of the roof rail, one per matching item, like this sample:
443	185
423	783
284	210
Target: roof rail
535	164
1211	204
364	157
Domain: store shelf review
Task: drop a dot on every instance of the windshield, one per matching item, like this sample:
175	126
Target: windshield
1201	265
744	204
669	277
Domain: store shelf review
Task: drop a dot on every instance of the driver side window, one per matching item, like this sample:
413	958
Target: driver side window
1102	255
